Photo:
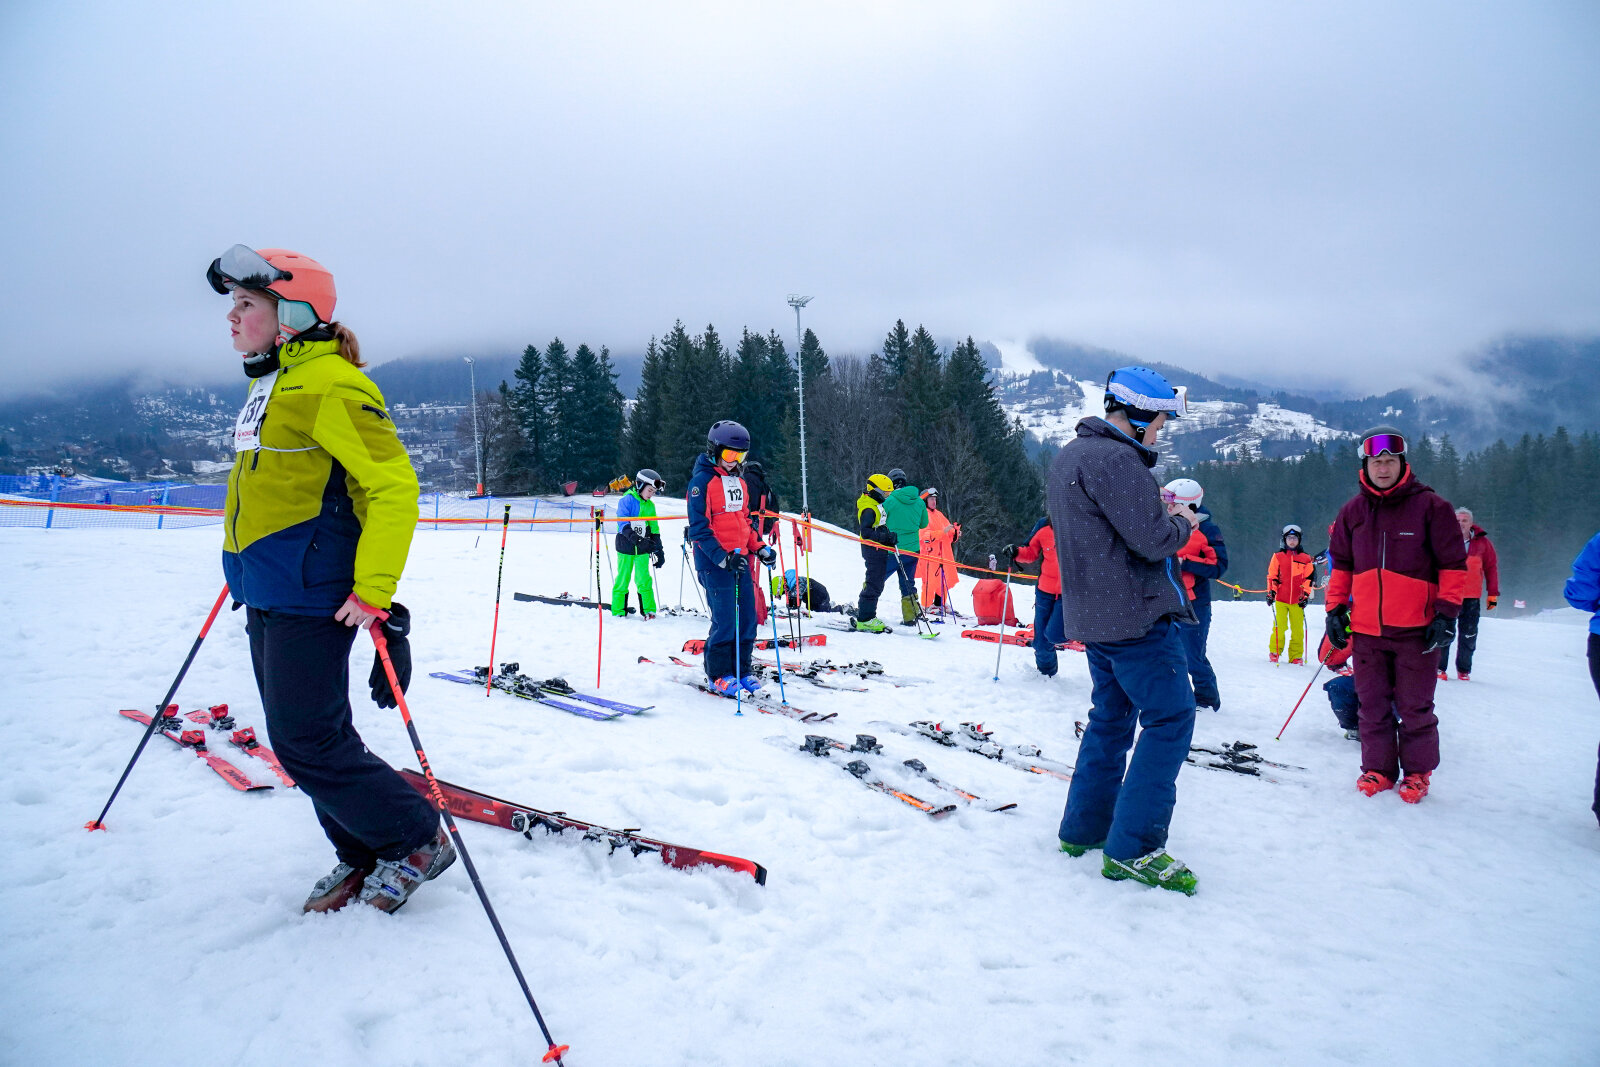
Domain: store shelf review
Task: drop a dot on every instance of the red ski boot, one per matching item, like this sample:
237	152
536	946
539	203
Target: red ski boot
1414	787
1463	676
1372	783
1444	676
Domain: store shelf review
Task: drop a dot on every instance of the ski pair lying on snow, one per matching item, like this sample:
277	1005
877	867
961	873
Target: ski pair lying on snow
1236	757
170	726
972	737
1022	636
554	692
217	718
467	803
768	670
762	702
867	745
697	647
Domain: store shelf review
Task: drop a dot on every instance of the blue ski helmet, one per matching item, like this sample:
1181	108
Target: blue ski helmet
1142	395
727	434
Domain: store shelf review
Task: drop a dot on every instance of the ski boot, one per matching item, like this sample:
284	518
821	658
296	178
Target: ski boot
1444	676
1413	787
1352	735
728	685
336	888
1156	868
392	882
909	612
1463	676
871	626
1075	851
751	683
1273	656
1297	663
1372	783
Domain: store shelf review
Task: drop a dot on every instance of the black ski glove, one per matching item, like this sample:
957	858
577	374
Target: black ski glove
660	558
396	634
1441	631
1009	552
766	555
1305	600
1338	625
732	560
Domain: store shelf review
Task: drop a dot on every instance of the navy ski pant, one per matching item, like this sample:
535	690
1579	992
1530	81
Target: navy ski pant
1194	645
881	564
1047	632
302	667
721	588
1594	674
1139	684
1466	637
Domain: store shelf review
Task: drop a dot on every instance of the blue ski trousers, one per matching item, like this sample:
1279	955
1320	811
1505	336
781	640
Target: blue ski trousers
1142	682
1047	632
1201	675
721	586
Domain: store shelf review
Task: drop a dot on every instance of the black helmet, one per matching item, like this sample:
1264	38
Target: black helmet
727	434
898	477
649	477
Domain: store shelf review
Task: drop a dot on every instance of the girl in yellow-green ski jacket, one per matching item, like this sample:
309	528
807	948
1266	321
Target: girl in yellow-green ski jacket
322	503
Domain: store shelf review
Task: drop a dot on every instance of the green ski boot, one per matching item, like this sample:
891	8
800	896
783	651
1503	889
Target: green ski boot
1075	851
871	626
1157	868
909	612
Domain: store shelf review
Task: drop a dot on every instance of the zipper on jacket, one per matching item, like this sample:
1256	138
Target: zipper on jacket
1383	563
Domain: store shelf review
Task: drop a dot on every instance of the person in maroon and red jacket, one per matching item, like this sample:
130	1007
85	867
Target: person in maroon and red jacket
1483	567
1397	553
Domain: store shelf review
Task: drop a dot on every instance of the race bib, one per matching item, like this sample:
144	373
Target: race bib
732	493
247	430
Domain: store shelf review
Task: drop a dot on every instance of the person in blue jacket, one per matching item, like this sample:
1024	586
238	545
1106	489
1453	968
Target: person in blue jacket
1583	592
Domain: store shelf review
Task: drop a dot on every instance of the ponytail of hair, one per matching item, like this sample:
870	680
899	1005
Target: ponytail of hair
349	347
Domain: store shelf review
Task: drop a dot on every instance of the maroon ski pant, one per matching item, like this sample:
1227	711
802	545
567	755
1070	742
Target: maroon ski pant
1396	671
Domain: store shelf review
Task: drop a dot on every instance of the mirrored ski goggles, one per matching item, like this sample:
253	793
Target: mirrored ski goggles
1168	496
730	456
1379	443
243	267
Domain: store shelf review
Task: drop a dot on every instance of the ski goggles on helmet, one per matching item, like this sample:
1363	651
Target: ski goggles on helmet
1380	443
242	267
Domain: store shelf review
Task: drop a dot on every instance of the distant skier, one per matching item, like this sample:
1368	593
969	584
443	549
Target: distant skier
322	503
1291	576
1047	633
1582	591
877	551
936	570
906	516
638	540
1399	569
1203	558
1122	596
722	528
1483	568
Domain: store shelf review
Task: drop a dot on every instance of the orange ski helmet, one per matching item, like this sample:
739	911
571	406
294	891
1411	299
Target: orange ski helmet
304	287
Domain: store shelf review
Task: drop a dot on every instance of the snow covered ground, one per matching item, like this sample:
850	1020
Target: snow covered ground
1329	928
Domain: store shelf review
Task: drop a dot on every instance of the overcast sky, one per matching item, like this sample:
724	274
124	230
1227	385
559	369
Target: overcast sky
1309	193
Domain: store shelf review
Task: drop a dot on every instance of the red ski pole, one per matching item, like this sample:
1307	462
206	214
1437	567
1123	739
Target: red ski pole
505	526
554	1051
99	822
1320	664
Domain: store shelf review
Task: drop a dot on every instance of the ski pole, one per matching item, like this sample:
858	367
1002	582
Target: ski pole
782	570
554	1051
599	605
918	621
1320	664
1005	606
505	527
99	822
738	692
683	559
777	645
685	549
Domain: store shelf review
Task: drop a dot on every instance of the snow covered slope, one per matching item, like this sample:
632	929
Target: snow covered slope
1328	928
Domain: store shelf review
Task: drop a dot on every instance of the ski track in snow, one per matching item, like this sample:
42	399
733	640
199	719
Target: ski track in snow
1327	927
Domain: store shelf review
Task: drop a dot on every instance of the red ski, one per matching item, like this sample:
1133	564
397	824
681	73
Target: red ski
467	803
1022	637
195	741
698	647
217	718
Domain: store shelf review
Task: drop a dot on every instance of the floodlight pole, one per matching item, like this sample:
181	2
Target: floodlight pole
798	302
477	437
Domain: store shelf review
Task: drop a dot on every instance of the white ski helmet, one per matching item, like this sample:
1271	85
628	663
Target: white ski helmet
1186	491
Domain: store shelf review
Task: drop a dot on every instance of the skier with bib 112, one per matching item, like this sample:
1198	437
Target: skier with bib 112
722	529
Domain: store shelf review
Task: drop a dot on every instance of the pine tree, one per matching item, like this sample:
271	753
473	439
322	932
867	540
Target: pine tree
527	405
644	418
558	411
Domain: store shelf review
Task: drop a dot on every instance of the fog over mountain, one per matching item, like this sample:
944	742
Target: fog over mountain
1316	197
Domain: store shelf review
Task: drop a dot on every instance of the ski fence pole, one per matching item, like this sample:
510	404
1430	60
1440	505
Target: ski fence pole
99	821
599	602
1005	608
784	573
494	633
554	1051
1314	674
